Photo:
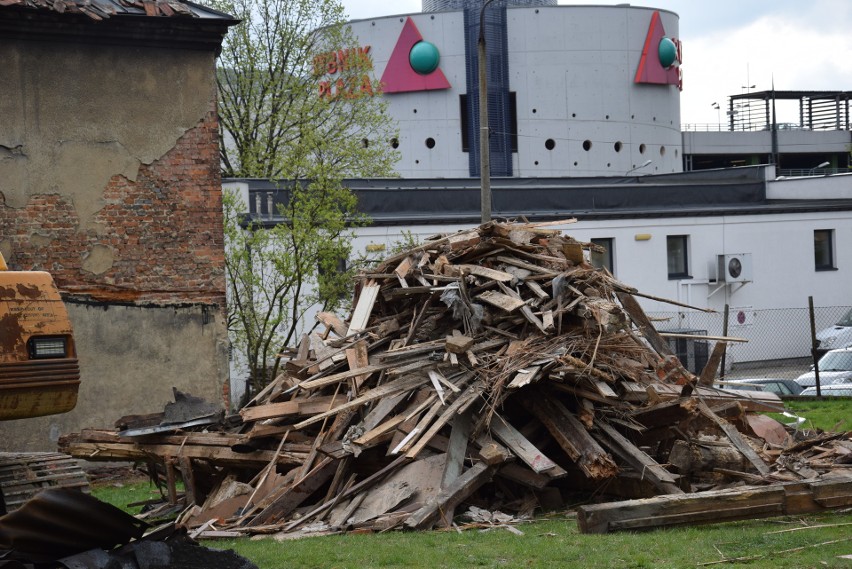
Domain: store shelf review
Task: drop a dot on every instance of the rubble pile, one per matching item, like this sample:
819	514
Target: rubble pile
491	369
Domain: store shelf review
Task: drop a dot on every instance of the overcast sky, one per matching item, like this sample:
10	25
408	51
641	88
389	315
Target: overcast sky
730	44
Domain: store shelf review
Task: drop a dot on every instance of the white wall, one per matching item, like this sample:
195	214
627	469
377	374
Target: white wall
572	68
782	254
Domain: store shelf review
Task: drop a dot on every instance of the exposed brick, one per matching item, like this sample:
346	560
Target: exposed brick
165	229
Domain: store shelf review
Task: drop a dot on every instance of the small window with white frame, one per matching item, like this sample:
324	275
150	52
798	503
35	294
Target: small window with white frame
605	259
677	255
824	250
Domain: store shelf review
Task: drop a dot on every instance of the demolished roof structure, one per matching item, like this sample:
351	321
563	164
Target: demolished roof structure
493	368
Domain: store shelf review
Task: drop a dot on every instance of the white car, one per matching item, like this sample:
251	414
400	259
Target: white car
836	390
837	336
834	367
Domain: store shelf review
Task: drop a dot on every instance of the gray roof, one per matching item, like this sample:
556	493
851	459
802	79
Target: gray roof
103	9
390	201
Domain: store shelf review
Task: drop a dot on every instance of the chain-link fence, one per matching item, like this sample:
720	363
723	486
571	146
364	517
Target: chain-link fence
778	340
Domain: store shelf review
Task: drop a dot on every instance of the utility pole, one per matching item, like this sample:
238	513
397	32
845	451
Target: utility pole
484	133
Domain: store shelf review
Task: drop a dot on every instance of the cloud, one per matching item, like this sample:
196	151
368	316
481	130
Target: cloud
777	46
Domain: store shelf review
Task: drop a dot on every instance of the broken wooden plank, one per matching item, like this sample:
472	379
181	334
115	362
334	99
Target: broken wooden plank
459	434
458	344
357	357
450	412
323	380
363	309
643	464
524	476
215	455
391	388
524	376
736	439
524	449
501	300
708	374
571	435
452	496
291	497
333	322
524	265
294	407
628	302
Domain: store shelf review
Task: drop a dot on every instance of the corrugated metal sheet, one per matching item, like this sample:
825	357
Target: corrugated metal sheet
499	111
60	522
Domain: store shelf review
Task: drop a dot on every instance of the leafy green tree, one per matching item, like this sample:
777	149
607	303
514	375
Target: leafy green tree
298	98
277	274
298	104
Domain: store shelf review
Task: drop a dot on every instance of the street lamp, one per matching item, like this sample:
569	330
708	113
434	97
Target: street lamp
819	166
747	89
484	134
718	115
645	163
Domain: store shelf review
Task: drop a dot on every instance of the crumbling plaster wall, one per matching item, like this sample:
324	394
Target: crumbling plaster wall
109	179
130	358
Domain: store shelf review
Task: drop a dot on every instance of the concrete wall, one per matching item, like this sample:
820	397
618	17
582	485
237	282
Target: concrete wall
130	358
109	179
572	69
760	142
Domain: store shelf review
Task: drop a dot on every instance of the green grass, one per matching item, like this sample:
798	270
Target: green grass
121	494
557	543
548	543
829	414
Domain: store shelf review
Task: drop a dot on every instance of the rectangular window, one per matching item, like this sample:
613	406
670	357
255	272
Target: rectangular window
677	252
824	249
465	122
604	260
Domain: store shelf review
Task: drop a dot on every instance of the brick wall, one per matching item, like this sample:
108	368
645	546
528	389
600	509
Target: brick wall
156	239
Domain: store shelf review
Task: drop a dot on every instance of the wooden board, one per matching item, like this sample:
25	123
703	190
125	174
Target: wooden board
501	300
716	506
363	308
524	449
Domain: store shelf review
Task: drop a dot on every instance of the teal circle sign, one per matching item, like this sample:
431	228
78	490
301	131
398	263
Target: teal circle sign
424	57
667	52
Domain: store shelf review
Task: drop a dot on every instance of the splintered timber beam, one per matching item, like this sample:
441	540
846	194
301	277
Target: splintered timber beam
794	498
628	302
646	466
735	438
571	435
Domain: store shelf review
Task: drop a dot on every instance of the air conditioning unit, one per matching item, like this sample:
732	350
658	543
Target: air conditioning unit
734	268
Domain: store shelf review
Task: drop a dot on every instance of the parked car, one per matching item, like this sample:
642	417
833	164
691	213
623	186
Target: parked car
777	385
834	367
837	336
836	390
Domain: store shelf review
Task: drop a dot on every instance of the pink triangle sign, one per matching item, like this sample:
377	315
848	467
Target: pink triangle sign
650	69
399	77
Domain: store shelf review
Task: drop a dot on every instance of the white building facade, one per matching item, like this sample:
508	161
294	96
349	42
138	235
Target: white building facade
572	90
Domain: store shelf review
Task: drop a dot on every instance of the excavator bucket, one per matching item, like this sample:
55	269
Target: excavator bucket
39	372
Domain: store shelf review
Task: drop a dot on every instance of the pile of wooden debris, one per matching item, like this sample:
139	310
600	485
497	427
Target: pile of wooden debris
493	368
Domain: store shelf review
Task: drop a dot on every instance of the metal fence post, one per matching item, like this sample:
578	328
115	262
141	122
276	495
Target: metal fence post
724	334
814	344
